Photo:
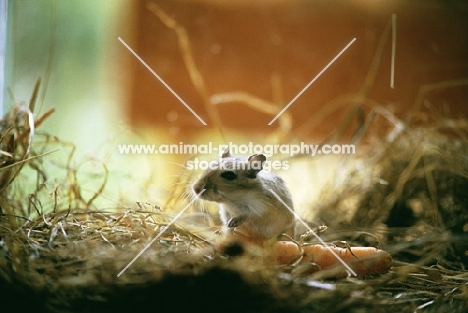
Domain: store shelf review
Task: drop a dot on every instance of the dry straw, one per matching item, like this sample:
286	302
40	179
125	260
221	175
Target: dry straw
59	252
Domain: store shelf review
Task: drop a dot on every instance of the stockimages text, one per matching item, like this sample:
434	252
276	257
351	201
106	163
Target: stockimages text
267	166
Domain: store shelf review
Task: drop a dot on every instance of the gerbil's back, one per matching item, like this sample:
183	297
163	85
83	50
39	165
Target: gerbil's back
272	182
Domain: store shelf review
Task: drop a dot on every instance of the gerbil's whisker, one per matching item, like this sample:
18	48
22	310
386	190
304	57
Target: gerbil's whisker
178	183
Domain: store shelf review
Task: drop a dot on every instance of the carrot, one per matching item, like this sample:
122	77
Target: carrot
362	260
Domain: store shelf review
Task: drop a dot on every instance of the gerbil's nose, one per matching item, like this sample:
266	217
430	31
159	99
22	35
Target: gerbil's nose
198	188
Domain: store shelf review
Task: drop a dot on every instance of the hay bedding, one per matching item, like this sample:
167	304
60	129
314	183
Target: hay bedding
60	252
64	255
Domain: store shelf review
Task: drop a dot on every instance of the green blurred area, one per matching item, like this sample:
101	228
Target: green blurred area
70	45
73	47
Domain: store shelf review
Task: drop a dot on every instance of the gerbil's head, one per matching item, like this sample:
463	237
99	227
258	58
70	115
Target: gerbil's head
229	178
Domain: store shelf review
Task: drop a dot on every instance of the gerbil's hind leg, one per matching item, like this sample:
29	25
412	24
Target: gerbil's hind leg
237	220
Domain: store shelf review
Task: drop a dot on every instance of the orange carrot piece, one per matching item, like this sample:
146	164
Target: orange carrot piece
363	260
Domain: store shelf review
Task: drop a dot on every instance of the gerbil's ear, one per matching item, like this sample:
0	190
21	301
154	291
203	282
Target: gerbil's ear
226	153
255	165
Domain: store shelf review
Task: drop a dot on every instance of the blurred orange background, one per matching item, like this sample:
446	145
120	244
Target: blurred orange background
273	49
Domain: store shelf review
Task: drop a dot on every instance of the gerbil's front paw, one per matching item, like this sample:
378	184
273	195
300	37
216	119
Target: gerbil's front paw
237	220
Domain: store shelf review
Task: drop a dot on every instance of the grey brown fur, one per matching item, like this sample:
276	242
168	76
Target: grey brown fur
246	203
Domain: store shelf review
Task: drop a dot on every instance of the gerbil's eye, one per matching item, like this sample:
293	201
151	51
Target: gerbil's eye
229	175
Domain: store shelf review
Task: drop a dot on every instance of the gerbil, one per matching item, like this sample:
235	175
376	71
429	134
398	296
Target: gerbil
242	190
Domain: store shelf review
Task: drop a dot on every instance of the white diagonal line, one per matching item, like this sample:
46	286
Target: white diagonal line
162	81
159	235
316	236
392	64
312	81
